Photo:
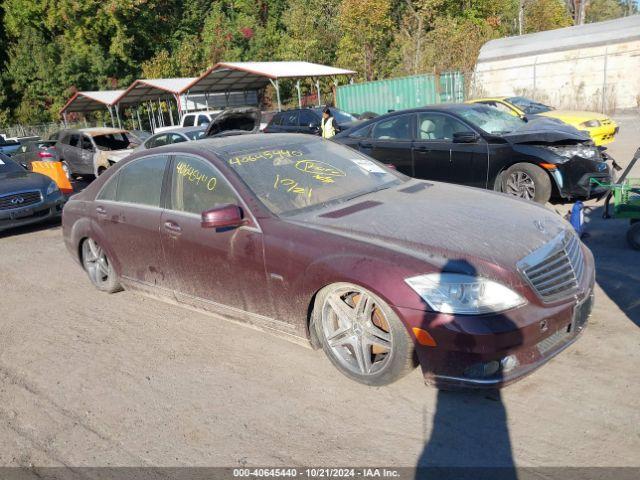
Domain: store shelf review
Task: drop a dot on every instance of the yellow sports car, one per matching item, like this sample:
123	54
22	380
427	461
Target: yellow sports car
600	127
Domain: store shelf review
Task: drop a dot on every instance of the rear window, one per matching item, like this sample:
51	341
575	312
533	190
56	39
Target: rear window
196	135
113	141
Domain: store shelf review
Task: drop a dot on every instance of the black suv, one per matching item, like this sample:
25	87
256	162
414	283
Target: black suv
307	120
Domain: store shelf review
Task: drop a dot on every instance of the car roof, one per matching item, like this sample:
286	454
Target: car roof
96	131
199	128
235	143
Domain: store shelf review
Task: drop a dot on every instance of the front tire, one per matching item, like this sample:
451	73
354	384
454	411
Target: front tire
98	266
527	181
362	335
633	235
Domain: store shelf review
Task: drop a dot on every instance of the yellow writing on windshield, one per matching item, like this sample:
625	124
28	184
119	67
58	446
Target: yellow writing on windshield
264	155
321	171
291	186
195	176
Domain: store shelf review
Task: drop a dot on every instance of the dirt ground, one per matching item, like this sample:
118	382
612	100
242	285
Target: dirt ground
89	379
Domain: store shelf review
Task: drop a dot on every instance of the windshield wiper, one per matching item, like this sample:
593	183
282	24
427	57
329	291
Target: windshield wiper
362	194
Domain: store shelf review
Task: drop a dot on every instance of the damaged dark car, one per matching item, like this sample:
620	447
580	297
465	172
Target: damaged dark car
482	147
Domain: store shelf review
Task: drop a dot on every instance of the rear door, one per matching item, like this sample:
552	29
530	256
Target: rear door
87	153
308	122
390	141
127	217
73	153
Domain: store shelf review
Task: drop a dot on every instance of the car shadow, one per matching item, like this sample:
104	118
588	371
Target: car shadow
615	260
469	435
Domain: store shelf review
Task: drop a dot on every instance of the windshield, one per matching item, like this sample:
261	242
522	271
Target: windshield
8	166
490	119
528	106
305	174
195	135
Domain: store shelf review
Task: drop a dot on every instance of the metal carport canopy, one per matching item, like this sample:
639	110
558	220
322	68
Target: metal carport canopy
83	102
146	89
228	76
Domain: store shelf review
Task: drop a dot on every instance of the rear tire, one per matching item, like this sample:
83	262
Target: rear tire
362	335
633	235
98	266
527	181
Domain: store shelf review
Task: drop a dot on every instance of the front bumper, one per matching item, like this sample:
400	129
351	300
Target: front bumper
47	209
492	351
576	175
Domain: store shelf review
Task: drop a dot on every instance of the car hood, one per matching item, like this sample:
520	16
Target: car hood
18	181
441	222
540	129
574	116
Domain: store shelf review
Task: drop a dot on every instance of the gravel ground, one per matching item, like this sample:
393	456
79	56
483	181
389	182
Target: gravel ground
89	379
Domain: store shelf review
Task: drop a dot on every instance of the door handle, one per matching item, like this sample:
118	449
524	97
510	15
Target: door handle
365	145
172	227
100	210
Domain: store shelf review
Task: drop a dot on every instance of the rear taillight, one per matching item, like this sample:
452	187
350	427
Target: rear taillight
45	155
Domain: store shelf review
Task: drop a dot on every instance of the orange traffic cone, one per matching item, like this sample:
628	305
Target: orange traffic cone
54	171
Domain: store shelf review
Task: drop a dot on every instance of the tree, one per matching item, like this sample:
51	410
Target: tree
540	15
600	10
365	27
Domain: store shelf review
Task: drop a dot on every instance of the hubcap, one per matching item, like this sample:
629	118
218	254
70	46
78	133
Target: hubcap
95	262
357	331
521	185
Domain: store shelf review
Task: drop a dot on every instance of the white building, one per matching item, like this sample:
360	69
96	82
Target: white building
586	67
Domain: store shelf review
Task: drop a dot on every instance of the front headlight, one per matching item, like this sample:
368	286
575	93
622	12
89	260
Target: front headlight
570	151
52	188
463	294
590	124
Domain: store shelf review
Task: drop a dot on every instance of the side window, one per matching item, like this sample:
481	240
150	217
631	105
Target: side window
395	128
188	120
203	120
435	126
361	132
74	140
307	118
109	190
157	141
197	186
176	138
140	182
86	144
290	119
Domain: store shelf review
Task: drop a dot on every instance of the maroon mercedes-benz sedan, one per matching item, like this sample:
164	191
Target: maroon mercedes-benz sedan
313	240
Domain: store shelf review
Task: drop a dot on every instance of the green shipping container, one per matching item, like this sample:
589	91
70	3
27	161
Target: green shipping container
400	93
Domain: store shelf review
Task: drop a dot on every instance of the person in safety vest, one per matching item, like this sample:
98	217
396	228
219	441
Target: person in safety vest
327	125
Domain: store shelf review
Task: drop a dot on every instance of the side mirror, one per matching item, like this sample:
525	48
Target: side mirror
465	137
225	215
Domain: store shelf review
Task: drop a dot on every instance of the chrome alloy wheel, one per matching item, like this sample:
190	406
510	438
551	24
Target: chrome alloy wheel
95	262
521	185
356	331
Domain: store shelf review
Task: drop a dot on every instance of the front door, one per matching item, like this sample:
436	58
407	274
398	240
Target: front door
73	153
438	157
210	267
390	142
128	210
86	155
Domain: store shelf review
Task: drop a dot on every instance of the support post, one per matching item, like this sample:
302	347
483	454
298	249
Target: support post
299	95
64	119
206	99
138	116
318	91
276	85
113	123
118	117
160	114
168	102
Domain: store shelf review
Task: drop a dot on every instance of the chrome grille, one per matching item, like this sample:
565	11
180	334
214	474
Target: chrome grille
18	200
556	269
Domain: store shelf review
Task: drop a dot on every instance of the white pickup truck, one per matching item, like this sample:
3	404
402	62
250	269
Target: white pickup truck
192	119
